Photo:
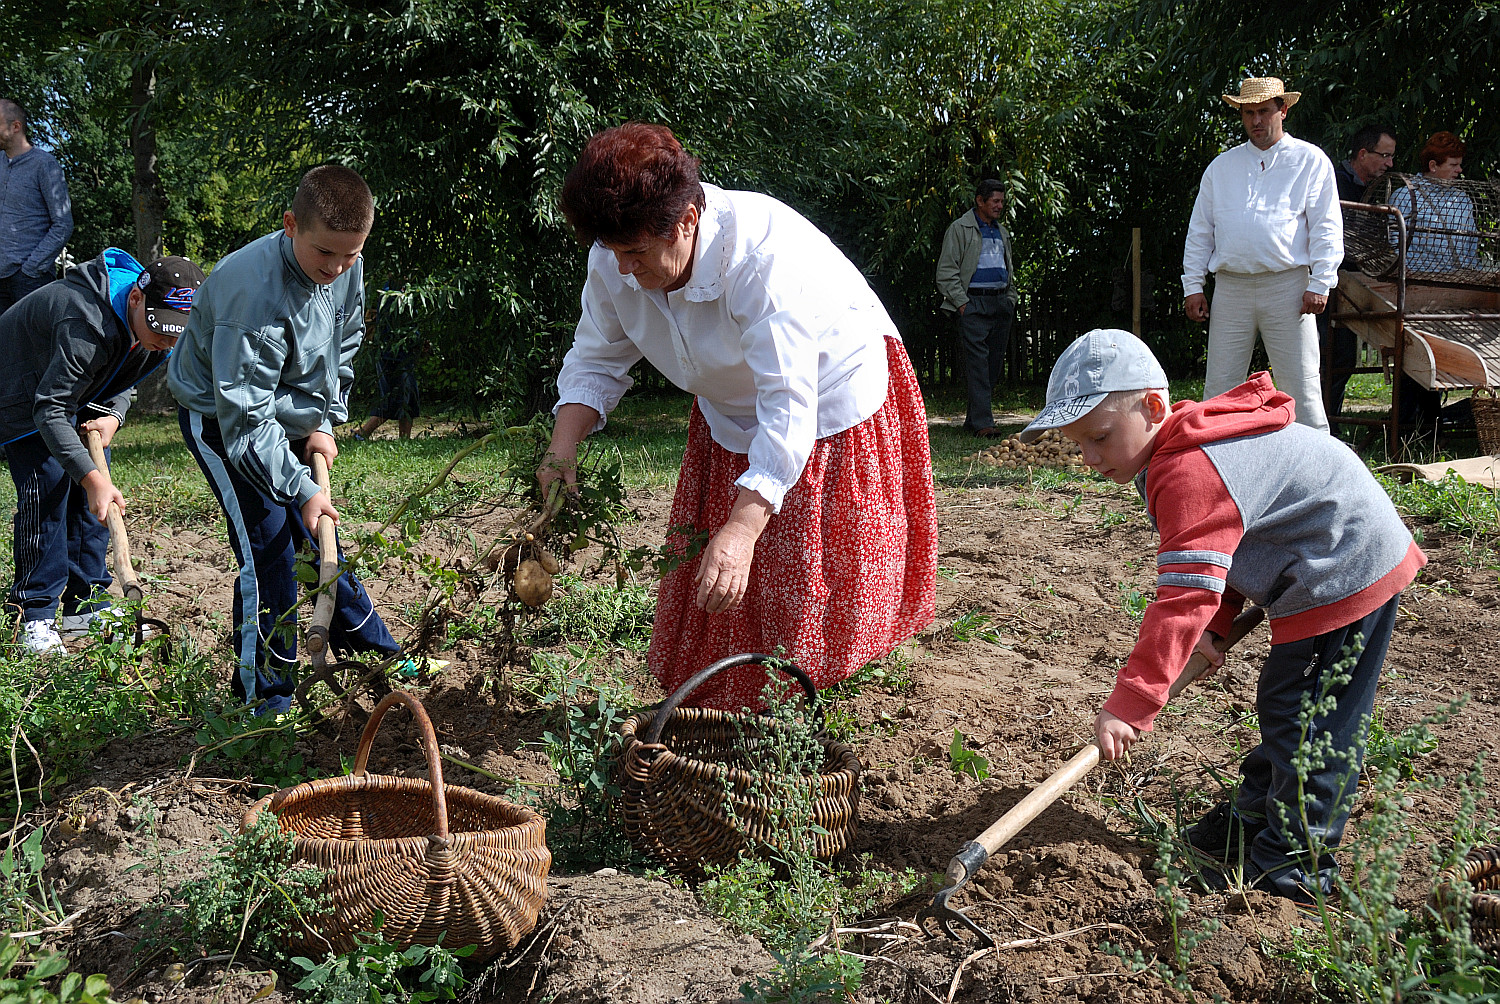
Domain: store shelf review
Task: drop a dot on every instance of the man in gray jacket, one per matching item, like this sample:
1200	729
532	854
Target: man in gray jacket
72	351
36	216
976	277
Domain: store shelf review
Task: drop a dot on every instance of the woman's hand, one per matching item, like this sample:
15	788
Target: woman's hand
574	421
724	567
1113	735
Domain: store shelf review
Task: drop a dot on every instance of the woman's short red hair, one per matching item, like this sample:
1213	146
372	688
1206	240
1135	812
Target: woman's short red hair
631	181
1440	146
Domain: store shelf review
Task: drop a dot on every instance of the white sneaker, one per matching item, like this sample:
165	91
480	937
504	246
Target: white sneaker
111	620
42	638
79	625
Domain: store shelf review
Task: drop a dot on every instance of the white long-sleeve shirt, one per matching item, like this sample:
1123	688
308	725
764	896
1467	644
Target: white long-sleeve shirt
1266	211
776	332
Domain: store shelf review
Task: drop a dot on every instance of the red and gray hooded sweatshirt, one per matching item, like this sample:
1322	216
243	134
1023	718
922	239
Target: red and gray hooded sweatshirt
1249	504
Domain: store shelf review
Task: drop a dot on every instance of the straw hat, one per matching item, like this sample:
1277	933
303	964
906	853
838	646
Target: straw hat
1257	89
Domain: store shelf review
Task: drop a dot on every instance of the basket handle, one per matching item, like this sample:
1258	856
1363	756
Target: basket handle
429	744
664	712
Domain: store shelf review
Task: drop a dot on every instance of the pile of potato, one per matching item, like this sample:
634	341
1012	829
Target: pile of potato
1052	449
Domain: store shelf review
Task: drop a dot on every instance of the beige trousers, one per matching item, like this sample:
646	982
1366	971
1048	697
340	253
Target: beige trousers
1269	303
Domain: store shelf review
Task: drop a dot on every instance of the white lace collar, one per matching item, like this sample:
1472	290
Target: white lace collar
711	255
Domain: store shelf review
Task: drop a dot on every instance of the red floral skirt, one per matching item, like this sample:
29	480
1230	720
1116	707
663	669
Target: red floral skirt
844	573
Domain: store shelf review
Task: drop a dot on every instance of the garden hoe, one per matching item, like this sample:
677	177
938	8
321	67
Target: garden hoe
130	583
972	855
317	631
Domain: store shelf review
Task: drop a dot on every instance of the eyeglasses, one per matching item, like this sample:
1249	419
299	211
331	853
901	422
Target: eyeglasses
1382	156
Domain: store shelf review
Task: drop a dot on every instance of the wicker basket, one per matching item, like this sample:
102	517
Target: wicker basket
677	765
1486	405
1482	871
437	860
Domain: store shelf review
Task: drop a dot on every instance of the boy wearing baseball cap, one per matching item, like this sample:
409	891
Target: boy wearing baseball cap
73	350
261	378
1248	505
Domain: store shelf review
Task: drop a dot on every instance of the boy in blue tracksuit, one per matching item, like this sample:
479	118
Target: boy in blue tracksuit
72	350
262	376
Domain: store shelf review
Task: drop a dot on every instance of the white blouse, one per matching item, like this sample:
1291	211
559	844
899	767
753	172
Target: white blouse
776	332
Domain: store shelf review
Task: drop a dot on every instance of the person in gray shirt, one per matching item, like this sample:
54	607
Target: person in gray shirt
36	217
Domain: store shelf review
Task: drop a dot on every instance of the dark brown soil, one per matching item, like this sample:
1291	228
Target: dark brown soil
1045	573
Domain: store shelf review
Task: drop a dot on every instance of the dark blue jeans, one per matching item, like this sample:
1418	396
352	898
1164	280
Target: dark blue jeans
1268	779
266	536
983	331
16	285
59	545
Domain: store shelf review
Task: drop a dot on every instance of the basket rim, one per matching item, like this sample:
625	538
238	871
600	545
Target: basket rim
846	759
320	788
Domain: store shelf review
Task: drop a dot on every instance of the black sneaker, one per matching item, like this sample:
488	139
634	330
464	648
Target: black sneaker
1223	834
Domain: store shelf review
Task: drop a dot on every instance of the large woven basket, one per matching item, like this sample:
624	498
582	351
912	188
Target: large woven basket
436	860
1486	405
677	767
1482	871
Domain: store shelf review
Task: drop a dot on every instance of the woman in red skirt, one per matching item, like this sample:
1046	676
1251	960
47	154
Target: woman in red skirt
807	461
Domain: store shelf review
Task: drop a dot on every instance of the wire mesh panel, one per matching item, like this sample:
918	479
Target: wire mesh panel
1453	230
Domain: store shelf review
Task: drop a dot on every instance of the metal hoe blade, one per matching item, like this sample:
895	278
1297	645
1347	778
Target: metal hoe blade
969	859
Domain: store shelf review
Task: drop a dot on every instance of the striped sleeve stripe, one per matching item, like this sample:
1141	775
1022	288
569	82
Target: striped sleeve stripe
1194	558
1212	583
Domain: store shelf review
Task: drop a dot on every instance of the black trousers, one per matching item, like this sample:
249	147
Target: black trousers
983	331
1269	785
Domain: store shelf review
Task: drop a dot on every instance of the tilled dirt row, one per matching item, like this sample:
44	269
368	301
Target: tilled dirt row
1035	600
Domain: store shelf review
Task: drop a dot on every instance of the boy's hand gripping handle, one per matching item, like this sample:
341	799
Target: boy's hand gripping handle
328	567
119	540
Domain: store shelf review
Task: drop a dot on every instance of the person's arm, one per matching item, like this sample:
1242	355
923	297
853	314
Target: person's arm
1198	249
79	357
60	211
1325	232
1200	529
350	338
952	286
246	372
595	375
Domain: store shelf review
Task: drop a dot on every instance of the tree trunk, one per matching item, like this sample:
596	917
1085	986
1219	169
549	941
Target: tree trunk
149	202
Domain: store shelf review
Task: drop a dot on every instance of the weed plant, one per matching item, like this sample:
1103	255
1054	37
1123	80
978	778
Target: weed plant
587	704
378	971
56	713
31	976
779	891
252	897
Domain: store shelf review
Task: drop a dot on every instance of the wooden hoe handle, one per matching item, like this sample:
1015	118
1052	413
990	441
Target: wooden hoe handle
119	540
1024	811
328	565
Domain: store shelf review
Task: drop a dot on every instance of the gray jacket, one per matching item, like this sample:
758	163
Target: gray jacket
68	355
960	257
269	354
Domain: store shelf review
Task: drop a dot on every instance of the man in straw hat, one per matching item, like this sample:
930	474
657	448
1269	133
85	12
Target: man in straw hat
1267	224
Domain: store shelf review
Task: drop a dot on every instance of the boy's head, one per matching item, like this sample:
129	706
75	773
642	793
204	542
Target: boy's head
331	216
158	304
1108	394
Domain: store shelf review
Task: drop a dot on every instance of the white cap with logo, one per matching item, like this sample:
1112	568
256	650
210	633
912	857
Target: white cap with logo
1093	367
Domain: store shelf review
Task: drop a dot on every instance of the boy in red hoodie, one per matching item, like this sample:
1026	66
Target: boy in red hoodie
1248	505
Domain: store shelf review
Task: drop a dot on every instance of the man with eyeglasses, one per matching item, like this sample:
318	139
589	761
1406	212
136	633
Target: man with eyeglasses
1372	150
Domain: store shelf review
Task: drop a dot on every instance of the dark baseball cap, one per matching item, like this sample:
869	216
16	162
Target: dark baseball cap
169	285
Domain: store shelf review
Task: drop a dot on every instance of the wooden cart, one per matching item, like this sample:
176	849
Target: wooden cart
1445	335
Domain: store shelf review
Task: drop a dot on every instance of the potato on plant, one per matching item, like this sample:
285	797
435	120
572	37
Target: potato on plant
533	584
548	561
